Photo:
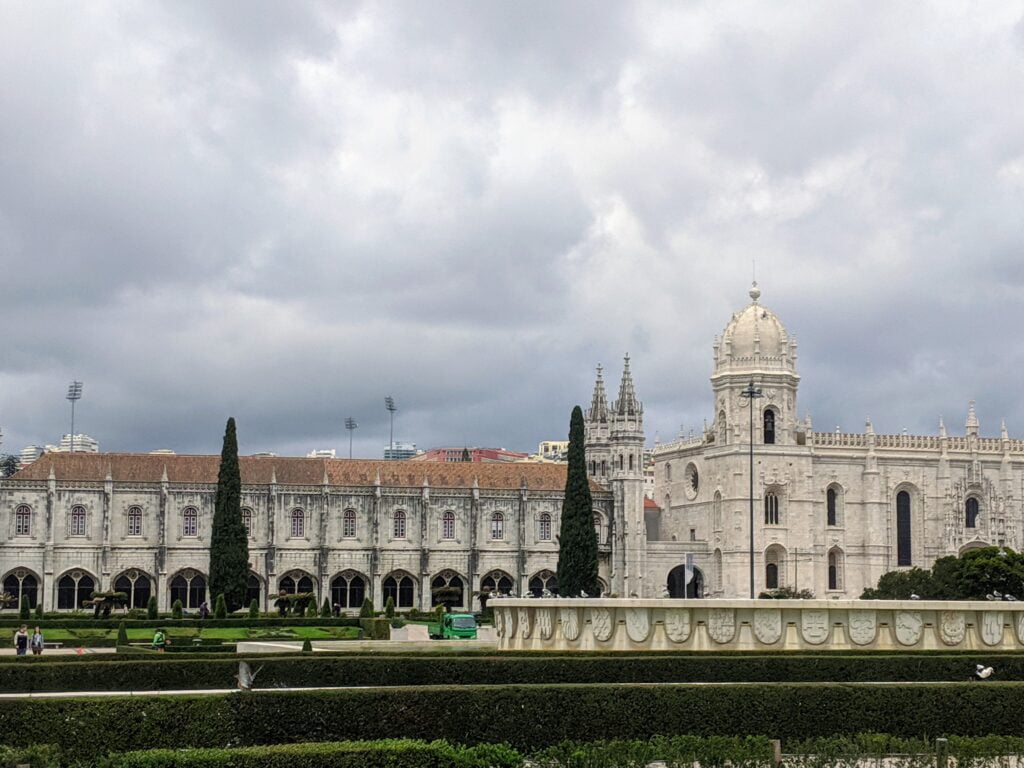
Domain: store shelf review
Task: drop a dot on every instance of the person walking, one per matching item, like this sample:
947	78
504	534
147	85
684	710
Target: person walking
21	640
37	642
160	641
204	611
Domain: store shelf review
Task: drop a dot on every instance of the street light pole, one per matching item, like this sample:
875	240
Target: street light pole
389	403
74	393
751	394
350	425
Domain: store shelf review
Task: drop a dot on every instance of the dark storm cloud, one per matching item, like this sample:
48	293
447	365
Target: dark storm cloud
285	212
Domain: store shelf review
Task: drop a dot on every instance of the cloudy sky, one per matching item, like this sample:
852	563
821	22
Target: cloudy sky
286	211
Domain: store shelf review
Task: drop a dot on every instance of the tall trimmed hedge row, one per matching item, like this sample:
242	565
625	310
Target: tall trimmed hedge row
155	672
527	717
240	620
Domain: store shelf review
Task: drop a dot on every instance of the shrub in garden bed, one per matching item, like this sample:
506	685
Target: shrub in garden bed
527	717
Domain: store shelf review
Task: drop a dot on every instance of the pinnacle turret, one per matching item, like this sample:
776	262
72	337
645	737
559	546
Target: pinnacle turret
599	403
972	420
627	404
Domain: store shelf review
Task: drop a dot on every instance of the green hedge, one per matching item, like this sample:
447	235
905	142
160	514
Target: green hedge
241	620
527	717
197	667
393	753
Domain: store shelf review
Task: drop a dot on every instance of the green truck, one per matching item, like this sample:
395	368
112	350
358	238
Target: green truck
454	625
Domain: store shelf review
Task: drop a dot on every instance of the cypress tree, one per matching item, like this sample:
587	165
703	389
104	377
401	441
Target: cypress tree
229	544
177	609
151	608
577	541
254	609
122	634
220	607
23	611
325	609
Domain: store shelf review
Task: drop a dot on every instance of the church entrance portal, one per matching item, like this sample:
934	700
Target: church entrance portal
677	585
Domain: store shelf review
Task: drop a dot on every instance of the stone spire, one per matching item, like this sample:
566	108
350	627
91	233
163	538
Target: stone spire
972	420
599	403
627	404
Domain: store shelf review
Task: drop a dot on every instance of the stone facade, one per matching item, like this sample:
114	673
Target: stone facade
757	625
75	522
832	511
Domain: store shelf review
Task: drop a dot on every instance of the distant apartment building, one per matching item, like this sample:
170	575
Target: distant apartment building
29	454
322	453
475	455
82	444
400	451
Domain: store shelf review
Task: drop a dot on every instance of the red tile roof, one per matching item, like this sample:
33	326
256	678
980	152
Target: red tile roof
649	503
258	470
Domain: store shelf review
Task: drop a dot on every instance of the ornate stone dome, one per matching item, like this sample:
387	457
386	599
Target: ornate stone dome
755	340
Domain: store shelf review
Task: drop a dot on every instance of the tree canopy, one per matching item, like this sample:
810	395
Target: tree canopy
971	576
229	541
577	540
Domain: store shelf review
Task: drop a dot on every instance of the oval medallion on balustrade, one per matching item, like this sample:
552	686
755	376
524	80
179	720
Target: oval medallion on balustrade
952	627
677	624
863	626
814	627
638	624
722	624
570	618
991	627
768	625
602	626
909	627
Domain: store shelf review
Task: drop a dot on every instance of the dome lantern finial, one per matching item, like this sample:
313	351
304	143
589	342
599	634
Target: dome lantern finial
755	292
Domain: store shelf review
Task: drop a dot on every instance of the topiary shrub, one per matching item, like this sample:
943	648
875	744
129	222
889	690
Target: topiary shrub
307	647
325	609
25	612
151	612
39	610
122	634
177	610
389	607
254	609
220	607
439	613
366	612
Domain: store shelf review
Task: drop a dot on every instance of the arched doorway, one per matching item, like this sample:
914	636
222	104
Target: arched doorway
253	589
544	580
348	589
73	589
22	583
447	589
677	586
137	587
189	587
400	587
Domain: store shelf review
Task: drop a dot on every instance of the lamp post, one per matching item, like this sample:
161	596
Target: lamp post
350	425
389	403
74	393
751	394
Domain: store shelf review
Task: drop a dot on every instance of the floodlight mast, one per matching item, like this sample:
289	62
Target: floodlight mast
74	394
389	403
751	394
350	425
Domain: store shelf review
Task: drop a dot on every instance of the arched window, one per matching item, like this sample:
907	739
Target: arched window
348	524
190	588
298	523
497	526
668	471
544	527
972	512
723	434
716	511
496	582
904	554
73	589
717	575
835	569
597	527
830	505
771	508
448	525
398	531
23	521
189	522
447	589
77	521
401	588
295	583
604	467
136	586
247	520
134	521
631	461
769	426
21	584
620	461
253	589
774	566
348	589
544	580
771	576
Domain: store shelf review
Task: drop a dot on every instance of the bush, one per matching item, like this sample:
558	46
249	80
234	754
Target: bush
325	609
24	612
376	629
307	646
392	753
254	609
366	611
122	634
495	714
151	608
35	756
177	610
39	610
311	611
389	607
220	607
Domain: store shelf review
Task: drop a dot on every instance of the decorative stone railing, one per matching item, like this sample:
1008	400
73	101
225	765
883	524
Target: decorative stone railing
551	624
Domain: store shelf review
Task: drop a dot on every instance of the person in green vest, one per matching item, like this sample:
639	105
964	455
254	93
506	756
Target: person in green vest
160	641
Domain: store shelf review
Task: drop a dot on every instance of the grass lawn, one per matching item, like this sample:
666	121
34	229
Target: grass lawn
185	634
